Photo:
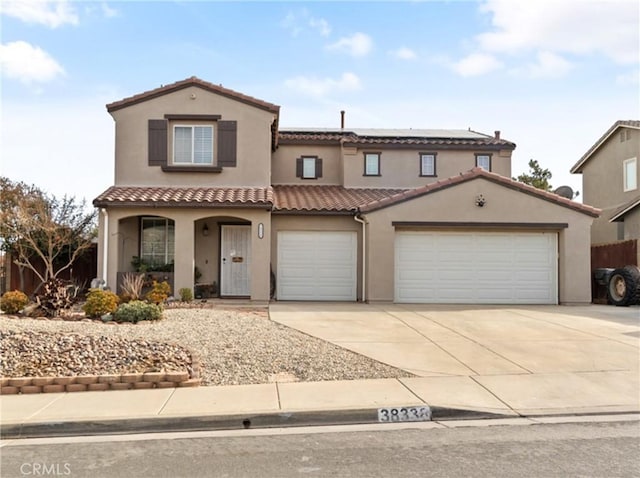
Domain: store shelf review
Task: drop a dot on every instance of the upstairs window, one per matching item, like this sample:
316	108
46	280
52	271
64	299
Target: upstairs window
483	161
157	241
427	164
372	164
193	144
630	174
309	167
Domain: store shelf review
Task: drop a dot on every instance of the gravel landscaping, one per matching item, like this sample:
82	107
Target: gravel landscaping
234	347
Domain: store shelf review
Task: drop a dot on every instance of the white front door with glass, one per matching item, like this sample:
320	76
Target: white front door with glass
235	261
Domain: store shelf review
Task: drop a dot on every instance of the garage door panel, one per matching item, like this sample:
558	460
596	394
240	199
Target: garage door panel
461	267
318	265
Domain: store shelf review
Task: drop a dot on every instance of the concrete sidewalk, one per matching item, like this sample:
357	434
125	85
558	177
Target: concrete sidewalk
470	362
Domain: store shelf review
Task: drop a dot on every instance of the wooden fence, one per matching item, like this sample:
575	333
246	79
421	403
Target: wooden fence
614	255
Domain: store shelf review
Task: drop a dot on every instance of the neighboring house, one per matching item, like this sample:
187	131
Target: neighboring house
206	178
611	180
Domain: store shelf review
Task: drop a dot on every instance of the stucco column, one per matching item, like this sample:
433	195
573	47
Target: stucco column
113	241
260	257
184	254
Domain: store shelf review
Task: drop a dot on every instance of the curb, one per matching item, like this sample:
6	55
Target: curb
219	422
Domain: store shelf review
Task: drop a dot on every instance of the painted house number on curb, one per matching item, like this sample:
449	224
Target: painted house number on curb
404	414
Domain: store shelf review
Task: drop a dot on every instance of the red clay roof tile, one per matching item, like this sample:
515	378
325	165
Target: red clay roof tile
326	198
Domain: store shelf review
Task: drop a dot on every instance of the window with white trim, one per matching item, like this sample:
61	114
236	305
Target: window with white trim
630	174
157	241
309	167
483	161
427	164
372	164
192	144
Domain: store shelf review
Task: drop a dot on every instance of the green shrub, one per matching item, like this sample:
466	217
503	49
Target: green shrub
13	302
56	296
137	310
100	302
159	292
186	295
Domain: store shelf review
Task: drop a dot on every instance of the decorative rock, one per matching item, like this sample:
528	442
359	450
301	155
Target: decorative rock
42	381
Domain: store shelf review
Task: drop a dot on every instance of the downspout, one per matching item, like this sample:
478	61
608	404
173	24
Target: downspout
358	218
105	245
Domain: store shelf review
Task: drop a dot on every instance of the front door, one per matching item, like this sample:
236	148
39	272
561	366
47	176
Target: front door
235	261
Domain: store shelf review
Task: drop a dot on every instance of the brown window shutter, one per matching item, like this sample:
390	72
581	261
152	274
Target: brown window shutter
227	140
157	142
299	167
318	167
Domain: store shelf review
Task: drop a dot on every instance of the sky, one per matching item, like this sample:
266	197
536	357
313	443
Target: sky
552	76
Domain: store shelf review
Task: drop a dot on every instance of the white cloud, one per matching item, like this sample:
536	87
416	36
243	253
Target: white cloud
476	64
109	12
404	53
630	78
358	44
321	25
547	65
28	63
609	28
322	86
52	13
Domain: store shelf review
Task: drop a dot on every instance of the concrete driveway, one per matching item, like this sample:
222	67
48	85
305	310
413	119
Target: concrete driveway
528	357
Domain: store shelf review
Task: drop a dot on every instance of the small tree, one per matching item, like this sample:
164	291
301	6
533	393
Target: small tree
36	227
537	177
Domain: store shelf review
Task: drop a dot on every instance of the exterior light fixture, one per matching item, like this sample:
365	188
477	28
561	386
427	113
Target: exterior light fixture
260	230
205	230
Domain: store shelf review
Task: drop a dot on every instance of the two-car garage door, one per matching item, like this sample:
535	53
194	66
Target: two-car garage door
476	268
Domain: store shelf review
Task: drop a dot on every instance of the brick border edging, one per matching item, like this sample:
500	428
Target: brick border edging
88	383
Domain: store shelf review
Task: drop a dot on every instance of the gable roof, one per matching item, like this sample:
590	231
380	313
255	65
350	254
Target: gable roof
186	83
184	197
619	214
476	173
634	124
396	137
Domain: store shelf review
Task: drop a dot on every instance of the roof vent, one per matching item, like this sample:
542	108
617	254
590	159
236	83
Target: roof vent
497	134
342	119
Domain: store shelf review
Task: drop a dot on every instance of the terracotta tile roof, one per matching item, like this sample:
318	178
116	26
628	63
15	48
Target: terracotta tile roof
635	124
192	81
441	138
184	197
326	198
474	174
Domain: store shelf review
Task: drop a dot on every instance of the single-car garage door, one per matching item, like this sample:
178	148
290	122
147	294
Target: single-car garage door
476	268
316	265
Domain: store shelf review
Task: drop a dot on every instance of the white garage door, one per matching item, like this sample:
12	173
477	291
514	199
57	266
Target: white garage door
476	268
316	265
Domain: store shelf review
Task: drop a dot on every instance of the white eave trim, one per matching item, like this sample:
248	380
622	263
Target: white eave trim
596	147
620	214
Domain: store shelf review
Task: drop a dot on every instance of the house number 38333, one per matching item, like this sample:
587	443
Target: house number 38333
404	414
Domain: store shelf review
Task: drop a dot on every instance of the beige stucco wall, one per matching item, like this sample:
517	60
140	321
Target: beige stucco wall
602	183
283	165
632	224
123	233
253	141
503	205
315	223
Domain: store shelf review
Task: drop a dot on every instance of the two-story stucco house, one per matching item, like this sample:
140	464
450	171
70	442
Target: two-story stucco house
611	181
206	179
